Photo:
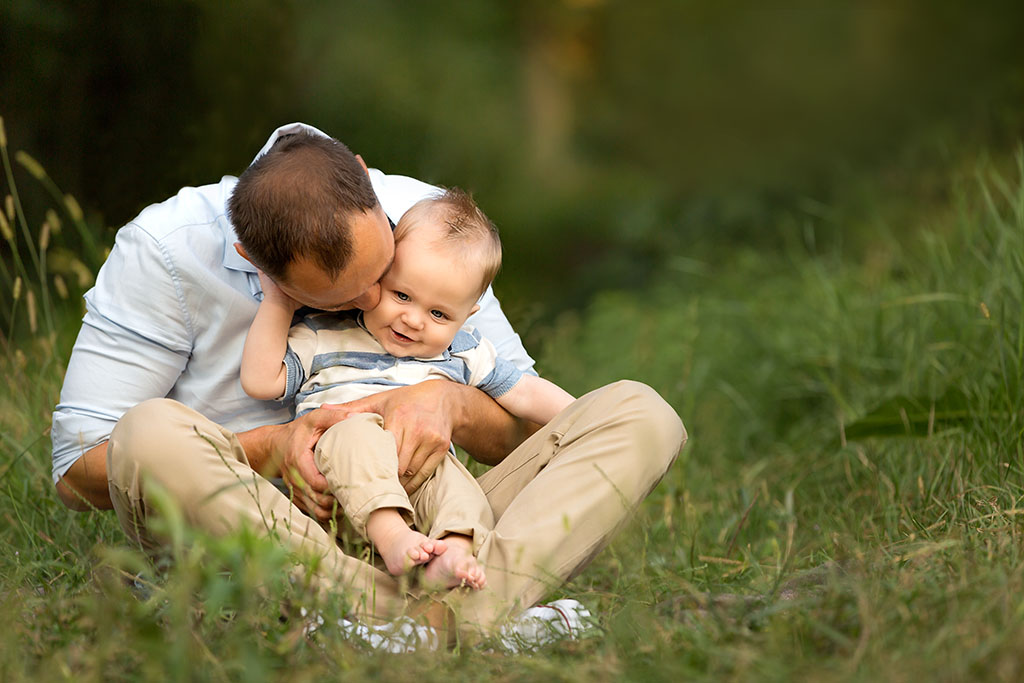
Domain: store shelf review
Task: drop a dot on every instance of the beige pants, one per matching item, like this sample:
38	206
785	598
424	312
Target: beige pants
360	461
557	498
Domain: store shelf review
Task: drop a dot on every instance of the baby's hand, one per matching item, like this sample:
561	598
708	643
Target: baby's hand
274	295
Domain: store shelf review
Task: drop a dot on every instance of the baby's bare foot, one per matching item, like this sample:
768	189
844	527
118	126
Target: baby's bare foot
409	548
456	567
400	547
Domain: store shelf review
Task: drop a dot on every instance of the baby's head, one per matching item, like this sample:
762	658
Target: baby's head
447	252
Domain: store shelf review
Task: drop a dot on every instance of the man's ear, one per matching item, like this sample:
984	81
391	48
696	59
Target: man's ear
241	252
363	164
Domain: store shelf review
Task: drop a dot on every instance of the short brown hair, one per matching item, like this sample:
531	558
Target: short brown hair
296	200
465	226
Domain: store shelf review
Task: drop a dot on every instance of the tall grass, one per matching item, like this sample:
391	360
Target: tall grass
848	507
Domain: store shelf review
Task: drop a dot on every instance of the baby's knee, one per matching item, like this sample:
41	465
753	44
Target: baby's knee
357	434
358	428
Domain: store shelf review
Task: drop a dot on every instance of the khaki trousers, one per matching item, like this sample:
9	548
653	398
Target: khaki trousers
360	461
556	499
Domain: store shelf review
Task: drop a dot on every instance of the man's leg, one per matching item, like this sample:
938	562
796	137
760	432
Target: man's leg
203	468
562	494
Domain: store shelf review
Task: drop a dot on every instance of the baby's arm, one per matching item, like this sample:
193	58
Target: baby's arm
535	399
263	370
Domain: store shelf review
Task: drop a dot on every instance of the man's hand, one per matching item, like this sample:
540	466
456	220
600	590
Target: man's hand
292	452
421	418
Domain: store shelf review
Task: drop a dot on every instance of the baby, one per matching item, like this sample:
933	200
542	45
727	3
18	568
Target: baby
446	254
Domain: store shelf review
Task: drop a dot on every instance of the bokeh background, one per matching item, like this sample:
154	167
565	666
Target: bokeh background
609	140
802	223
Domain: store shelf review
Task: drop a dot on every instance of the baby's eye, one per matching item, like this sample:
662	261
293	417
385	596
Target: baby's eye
401	296
438	315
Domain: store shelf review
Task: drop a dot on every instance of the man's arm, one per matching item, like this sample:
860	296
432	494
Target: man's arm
486	430
84	486
426	417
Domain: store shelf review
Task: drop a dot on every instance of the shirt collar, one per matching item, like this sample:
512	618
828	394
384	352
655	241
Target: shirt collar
231	259
288	129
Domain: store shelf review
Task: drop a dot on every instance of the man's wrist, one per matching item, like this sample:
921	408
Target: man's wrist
260	446
457	398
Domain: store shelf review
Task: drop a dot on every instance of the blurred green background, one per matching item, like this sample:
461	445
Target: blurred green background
607	139
802	224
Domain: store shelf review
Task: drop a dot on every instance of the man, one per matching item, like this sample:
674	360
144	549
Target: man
152	393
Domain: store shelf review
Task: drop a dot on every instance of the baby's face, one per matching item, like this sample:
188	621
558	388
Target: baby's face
425	298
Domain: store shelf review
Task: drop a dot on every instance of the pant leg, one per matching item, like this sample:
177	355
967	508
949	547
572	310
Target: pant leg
560	496
452	502
360	461
202	466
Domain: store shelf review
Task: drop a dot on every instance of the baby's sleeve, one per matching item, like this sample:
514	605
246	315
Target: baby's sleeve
298	359
487	371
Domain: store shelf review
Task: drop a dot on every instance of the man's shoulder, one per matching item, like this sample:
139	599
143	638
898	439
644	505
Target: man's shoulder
397	193
191	206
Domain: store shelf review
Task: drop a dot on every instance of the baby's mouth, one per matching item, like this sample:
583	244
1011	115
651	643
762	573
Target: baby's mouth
399	336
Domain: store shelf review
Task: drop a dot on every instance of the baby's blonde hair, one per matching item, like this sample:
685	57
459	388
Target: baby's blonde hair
464	226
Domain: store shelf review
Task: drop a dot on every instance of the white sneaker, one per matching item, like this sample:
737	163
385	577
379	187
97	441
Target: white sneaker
565	619
398	636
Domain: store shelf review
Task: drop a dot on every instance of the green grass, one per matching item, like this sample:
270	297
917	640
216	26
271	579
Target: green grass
849	506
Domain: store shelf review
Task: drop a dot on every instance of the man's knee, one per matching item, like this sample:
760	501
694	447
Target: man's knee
159	437
654	421
130	437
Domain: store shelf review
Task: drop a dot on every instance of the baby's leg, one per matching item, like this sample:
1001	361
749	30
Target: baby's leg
400	546
359	460
453	507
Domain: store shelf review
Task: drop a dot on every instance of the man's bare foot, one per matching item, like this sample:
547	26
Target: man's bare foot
456	567
400	547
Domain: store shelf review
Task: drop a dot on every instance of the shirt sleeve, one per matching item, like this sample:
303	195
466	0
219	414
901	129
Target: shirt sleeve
488	371
490	320
134	343
298	359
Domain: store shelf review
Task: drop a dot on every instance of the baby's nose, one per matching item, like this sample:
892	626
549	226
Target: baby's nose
413	319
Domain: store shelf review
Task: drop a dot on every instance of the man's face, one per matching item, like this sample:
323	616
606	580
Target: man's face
425	297
358	285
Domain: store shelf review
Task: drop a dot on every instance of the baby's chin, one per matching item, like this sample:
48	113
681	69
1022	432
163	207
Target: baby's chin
420	351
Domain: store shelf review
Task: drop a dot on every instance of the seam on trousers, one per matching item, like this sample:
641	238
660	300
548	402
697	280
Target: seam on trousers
135	512
557	437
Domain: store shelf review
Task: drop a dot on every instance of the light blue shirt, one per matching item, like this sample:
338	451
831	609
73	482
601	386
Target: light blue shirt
170	311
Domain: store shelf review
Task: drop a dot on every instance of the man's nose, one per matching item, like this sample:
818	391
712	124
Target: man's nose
368	299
